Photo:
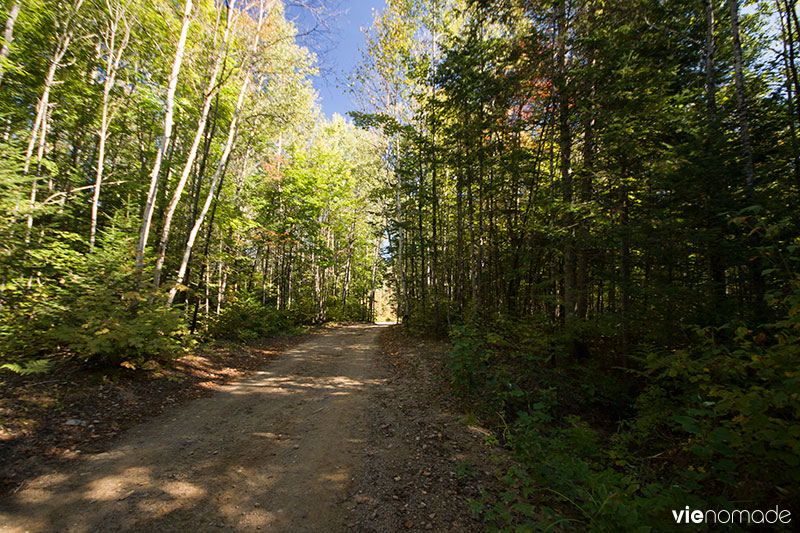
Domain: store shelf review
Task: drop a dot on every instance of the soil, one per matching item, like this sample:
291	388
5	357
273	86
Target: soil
423	463
335	434
49	421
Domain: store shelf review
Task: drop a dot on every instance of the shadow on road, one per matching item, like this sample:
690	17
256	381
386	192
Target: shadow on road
276	451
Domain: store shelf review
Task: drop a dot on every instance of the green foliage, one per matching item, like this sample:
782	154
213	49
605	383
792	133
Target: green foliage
739	401
468	358
578	191
566	478
39	366
725	410
245	320
104	333
292	212
87	307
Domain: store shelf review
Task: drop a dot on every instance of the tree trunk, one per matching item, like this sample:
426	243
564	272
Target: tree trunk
625	282
434	236
211	90
715	264
459	266
117	16
711	87
792	28
222	166
422	279
792	85
586	178
8	35
346	283
741	100
147	216
403	289
564	148
39	129
473	252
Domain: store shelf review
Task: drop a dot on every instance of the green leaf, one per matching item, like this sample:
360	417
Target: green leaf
688	424
719	435
39	366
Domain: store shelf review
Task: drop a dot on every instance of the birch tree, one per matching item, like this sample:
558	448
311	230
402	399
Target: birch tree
223	162
169	106
8	36
210	91
65	33
116	35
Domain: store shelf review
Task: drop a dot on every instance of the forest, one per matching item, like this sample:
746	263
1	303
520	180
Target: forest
595	203
168	177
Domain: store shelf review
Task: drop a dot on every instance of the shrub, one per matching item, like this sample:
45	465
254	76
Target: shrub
86	305
245	320
740	414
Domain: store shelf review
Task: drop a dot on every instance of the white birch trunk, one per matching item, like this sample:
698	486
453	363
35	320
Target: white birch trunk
8	35
62	44
221	166
147	216
116	16
211	90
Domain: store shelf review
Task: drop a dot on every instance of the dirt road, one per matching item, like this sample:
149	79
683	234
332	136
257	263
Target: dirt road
276	452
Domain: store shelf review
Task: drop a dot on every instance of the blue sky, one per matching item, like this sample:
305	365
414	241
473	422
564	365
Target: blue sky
338	52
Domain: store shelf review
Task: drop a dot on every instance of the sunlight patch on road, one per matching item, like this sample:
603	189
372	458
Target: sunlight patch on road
182	489
117	486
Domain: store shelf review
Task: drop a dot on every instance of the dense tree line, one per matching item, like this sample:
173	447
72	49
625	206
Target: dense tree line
166	171
598	200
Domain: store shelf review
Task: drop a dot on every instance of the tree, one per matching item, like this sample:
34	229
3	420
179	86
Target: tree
169	105
115	37
8	35
209	93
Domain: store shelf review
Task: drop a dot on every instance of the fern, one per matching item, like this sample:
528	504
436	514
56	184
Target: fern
39	366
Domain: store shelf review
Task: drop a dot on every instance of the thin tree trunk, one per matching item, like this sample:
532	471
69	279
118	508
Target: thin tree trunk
264	276
473	253
792	28
116	14
625	282
169	110
222	166
403	296
715	264
434	193
459	278
210	92
422	279
434	224
8	35
564	149
346	283
741	100
585	186
222	282
207	293
375	259
204	269
39	129
711	87
792	96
